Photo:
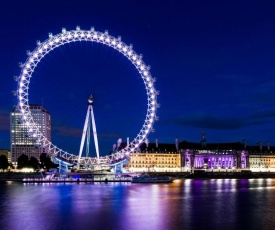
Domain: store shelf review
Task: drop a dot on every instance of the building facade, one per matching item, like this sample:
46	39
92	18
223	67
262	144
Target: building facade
7	153
21	140
155	162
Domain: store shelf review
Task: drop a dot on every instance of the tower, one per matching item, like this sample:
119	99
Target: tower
86	130
21	141
203	139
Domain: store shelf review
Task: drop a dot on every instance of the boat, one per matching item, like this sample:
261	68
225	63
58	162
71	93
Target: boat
145	178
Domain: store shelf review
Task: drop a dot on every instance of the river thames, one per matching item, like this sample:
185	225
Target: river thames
183	204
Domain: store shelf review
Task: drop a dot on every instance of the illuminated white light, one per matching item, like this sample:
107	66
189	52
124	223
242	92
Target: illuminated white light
81	35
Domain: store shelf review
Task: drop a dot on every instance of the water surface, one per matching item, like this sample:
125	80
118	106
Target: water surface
183	204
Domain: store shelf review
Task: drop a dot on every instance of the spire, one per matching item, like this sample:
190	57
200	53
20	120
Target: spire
203	138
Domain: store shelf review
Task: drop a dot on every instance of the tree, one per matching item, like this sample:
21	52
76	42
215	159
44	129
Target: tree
46	161
33	163
23	161
4	164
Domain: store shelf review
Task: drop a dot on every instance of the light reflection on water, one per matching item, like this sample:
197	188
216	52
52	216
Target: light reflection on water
183	204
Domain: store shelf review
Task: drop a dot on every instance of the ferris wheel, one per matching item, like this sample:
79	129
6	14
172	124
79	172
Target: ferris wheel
77	35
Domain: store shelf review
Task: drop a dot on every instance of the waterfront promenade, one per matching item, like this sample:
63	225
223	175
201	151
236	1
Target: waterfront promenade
105	178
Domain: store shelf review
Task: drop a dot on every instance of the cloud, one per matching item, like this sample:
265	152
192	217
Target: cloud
4	121
263	114
208	121
67	131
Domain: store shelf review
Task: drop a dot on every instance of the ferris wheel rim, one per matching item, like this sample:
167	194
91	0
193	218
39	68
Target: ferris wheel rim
53	42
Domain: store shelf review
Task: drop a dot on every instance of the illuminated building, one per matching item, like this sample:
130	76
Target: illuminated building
262	158
214	156
22	142
155	158
6	153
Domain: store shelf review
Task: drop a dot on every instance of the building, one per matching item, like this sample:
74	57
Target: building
155	158
261	158
220	156
7	153
21	141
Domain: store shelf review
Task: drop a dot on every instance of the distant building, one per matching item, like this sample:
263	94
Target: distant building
219	156
7	153
21	141
155	158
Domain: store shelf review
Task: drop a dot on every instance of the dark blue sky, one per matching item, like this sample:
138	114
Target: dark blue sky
213	60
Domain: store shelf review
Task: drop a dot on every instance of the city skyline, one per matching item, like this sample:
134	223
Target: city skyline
213	64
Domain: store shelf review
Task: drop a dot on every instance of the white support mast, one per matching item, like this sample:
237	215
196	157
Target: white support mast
86	131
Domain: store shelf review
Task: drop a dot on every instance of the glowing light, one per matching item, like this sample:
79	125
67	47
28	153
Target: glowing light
81	35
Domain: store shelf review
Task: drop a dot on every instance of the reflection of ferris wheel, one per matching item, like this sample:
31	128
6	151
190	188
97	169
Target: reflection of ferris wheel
60	39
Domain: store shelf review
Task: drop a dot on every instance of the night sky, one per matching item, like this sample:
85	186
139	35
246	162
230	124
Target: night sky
213	60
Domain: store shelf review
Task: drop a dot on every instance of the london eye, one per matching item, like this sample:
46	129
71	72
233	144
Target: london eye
78	35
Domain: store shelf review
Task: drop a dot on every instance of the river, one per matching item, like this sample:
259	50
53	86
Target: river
184	204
